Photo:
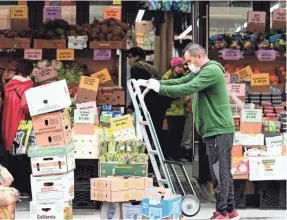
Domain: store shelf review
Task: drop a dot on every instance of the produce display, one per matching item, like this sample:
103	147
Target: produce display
79	30
108	30
53	30
26	33
123	152
248	41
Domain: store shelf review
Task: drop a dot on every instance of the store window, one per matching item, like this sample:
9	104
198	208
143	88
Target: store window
5	14
228	16
97	9
68	9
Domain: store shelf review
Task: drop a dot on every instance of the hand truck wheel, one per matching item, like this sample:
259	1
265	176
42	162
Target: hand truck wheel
190	205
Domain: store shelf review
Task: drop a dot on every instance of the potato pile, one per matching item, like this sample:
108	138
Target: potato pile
79	30
26	33
108	30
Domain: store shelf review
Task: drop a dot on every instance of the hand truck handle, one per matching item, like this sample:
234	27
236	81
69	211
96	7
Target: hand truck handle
138	92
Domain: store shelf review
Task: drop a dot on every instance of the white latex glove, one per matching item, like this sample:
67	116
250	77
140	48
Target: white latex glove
154	85
142	82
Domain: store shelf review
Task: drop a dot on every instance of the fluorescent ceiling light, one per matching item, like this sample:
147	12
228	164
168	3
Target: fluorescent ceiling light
140	15
183	34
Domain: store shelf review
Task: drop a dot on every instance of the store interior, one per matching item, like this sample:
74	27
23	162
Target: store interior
82	46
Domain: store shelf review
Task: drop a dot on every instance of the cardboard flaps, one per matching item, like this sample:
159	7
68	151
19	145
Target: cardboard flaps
51	151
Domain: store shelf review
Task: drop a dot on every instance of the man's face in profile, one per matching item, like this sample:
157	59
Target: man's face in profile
132	60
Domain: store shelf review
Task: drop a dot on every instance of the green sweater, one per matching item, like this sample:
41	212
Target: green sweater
210	101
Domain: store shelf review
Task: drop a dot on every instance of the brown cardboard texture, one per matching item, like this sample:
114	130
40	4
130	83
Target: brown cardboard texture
57	44
85	95
256	21
51	121
111	96
117	196
54	138
85	129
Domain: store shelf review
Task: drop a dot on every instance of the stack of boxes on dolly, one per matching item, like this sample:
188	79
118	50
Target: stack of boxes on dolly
52	158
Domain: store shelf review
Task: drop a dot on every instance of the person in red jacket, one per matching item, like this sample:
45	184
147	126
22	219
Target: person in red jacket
15	110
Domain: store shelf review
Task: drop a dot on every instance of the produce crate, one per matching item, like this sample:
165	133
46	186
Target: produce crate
111	96
273	195
15	43
82	199
136	169
240	194
85	170
110	44
52	44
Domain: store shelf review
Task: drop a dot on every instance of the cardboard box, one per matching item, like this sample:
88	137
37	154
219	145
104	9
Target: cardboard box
134	169
8	212
122	211
51	151
121	183
58	211
49	189
252	140
117	196
87	146
15	43
111	96
53	44
267	168
84	129
251	121
256	21
54	138
240	167
85	95
48	98
160	204
51	165
51	121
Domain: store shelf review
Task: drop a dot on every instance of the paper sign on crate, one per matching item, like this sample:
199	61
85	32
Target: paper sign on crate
261	79
45	74
103	76
245	74
84	117
279	18
251	115
65	54
113	12
266	55
102	54
229	54
19	12
33	54
237	139
52	12
122	122
89	83
274	144
237	89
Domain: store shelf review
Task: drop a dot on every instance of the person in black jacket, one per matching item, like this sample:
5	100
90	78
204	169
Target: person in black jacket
156	104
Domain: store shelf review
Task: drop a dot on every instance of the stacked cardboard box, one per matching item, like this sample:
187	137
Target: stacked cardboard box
52	159
117	192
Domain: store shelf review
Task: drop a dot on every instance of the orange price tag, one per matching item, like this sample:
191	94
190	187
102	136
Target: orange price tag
103	76
245	74
113	12
19	12
65	54
261	79
89	83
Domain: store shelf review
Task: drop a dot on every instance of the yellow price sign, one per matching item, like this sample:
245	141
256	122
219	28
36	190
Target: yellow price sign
65	54
117	2
245	74
260	79
122	122
89	83
19	12
103	75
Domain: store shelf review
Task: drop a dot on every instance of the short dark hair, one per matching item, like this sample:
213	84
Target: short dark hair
137	51
25	67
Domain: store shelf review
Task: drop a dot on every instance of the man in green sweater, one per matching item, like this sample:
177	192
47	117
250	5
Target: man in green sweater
212	117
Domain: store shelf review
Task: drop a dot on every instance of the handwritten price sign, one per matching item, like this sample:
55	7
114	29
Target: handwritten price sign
19	12
103	76
260	79
113	12
45	74
237	89
251	115
84	117
229	54
33	54
65	54
266	55
245	74
102	54
279	18
52	13
121	123
89	83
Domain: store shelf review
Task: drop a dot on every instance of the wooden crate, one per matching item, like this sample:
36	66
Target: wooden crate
15	43
52	44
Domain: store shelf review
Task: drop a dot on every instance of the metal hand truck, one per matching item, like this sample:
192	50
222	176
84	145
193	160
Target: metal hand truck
190	202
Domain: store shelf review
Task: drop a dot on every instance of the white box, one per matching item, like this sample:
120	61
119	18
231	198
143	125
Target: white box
52	165
48	189
87	146
267	168
57	211
252	140
47	98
